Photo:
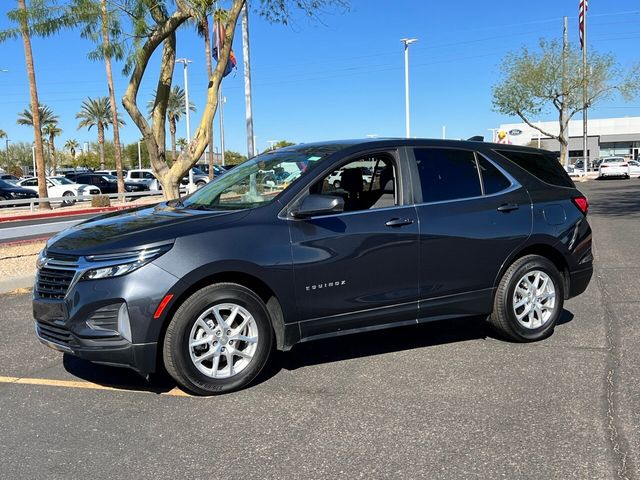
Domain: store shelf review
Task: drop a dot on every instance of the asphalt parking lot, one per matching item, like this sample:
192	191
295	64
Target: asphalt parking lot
443	400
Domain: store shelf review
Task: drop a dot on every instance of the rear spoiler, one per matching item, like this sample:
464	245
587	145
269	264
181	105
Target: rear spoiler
477	138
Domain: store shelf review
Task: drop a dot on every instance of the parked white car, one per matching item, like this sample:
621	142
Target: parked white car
634	168
61	187
614	167
143	175
335	178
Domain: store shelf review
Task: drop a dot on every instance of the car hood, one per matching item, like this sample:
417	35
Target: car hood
136	228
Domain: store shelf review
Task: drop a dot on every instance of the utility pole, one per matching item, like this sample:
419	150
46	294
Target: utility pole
247	82
585	96
407	42
565	79
221	108
493	134
444	132
185	63
139	157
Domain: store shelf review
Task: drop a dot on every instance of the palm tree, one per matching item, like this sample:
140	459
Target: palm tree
47	117
203	9
182	143
22	16
175	110
3	134
52	131
71	145
97	113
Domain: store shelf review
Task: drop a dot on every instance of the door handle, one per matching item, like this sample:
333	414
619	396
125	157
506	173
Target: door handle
508	207
399	222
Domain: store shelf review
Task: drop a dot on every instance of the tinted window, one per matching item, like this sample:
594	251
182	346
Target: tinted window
135	175
30	183
447	174
83	179
544	167
492	178
149	175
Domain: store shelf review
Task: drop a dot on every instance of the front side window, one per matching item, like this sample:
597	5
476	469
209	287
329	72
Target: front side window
364	184
32	182
260	180
447	174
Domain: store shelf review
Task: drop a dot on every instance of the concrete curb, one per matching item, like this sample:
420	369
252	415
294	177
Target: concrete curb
14	283
69	213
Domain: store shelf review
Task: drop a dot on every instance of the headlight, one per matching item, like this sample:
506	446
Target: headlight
117	264
40	260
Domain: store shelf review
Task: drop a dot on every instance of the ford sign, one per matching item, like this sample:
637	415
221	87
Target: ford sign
515	132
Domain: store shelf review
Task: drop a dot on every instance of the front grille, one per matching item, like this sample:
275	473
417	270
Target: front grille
55	277
54	333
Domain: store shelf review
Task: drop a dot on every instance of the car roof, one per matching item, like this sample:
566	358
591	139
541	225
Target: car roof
373	143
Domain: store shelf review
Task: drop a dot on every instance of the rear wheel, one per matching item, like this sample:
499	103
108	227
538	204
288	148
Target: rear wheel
219	340
529	300
336	184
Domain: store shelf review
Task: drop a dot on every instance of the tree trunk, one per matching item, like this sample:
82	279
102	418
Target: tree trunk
54	160
112	96
207	52
33	93
101	144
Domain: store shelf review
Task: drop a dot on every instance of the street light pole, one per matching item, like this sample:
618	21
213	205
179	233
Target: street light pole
185	63
407	42
139	157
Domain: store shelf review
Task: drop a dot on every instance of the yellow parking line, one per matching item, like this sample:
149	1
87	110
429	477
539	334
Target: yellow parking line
48	382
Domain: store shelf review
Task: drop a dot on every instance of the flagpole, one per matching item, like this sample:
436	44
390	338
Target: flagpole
585	97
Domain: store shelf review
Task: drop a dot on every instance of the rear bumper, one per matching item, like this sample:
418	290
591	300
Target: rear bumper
579	281
614	172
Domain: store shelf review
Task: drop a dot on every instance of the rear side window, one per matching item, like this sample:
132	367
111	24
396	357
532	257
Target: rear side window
543	167
492	178
136	174
447	174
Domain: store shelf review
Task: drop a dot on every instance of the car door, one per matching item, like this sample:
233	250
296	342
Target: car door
472	216
358	269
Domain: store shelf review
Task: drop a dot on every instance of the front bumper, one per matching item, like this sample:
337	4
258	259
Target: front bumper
140	357
108	321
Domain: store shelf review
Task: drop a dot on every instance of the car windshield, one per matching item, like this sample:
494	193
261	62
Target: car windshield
60	181
258	181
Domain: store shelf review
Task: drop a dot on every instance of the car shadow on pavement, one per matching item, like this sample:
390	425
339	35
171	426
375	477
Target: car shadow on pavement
312	353
624	203
386	341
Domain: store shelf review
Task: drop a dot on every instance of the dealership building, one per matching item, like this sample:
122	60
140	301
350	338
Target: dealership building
607	137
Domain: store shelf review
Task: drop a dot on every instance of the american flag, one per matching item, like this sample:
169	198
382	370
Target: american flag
584	6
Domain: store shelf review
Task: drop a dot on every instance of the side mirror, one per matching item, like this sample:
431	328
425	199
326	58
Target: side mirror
315	204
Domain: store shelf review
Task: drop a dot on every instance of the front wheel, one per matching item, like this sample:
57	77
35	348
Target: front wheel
219	340
529	300
68	198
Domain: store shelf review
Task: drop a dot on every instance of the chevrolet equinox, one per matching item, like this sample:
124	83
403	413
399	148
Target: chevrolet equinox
272	254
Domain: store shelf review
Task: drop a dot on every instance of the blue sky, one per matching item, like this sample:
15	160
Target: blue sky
342	76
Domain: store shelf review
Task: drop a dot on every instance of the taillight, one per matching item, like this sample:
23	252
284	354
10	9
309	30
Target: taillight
624	165
604	166
582	203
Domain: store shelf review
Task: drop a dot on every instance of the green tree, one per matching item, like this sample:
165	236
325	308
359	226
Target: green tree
72	145
96	113
233	158
282	144
155	24
102	25
175	110
182	143
46	117
52	131
533	84
41	18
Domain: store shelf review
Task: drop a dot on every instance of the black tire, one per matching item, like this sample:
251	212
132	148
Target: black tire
176	355
336	184
200	184
503	318
68	202
3	198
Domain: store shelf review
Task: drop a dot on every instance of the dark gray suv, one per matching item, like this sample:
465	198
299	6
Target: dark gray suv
207	286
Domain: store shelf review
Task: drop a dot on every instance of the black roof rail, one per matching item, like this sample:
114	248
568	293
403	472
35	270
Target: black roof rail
477	138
